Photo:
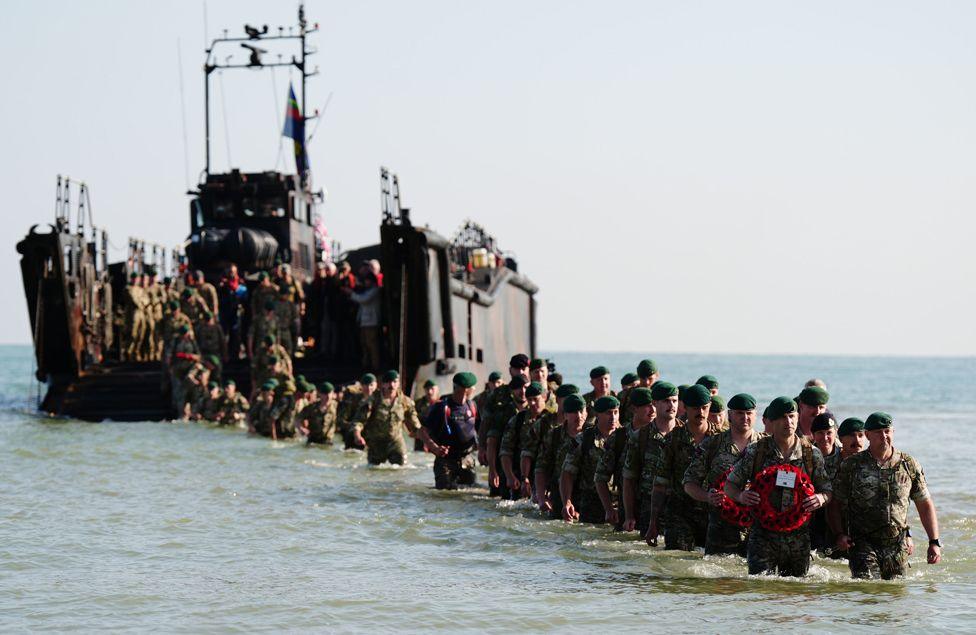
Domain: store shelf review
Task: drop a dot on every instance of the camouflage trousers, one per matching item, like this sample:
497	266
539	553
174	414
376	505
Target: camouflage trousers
643	514
721	538
875	556
685	527
786	553
590	508
381	450
457	468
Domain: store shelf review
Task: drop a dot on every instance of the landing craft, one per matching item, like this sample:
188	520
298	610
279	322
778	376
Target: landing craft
447	304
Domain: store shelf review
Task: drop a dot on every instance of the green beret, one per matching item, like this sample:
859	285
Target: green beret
641	397
300	378
187	293
273	382
207	314
708	381
697	396
718	404
167	280
269	306
574	403
662	390
566	390
646	368
212	359
229	382
599	371
213	384
172	305
430	383
878	421
814	396
494	375
850	425
823	421
605	403
534	390
390	375
742	401
681	391
272	359
263	275
183	329
537	363
780	407
305	386
268	340
518	382
628	379
133	275
269	385
326	387
465	380
368	378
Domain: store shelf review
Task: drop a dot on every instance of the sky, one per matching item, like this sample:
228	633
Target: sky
747	177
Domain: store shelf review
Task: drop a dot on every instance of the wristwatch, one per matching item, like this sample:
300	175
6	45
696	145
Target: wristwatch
935	542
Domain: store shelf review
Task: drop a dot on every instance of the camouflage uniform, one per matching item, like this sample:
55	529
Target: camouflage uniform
590	398
381	425
642	462
179	368
582	463
134	302
262	362
208	293
821	538
283	409
877	498
195	389
156	296
192	305
715	456
229	406
423	404
210	338
611	466
626	414
286	317
352	398
261	295
553	449
321	423
787	553
502	414
510	444
259	414
208	406
685	518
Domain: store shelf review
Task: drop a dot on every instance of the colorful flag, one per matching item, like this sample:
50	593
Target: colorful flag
295	130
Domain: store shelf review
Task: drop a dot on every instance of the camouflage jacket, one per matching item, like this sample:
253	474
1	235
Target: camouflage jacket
259	415
714	456
678	452
832	463
531	435
584	458
260	295
877	496
321	423
230	406
552	454
611	464
590	398
210	338
382	421
642	458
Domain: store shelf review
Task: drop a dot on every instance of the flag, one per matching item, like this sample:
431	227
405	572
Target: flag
295	130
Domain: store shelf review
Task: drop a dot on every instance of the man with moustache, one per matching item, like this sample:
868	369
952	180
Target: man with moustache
611	465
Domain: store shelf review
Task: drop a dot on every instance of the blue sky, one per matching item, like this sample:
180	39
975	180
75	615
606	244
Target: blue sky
686	176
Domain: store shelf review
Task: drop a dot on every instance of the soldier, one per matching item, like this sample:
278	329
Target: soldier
717	414
283	409
210	337
481	401
449	434
877	485
642	459
259	362
196	384
577	488
154	318
532	435
628	381
824	429
352	398
611	463
716	456
380	420
263	325
259	420
811	402
552	455
134	323
646	376
686	519
600	380
784	552
516	402
286	282
286	320
709	382
516	464
681	401
430	397
852	440
517	366
208	292
184	356
192	305
207	407
233	407
318	419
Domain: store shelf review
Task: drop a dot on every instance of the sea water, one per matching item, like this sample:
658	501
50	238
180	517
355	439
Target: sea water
190	527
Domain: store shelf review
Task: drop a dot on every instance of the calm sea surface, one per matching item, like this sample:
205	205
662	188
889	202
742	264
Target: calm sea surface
186	527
